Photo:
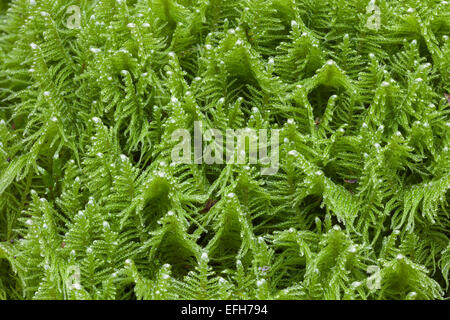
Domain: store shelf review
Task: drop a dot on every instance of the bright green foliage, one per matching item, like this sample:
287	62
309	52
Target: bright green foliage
92	207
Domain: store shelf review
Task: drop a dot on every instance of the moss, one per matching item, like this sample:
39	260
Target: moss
93	207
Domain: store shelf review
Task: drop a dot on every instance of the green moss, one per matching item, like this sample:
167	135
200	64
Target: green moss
92	206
